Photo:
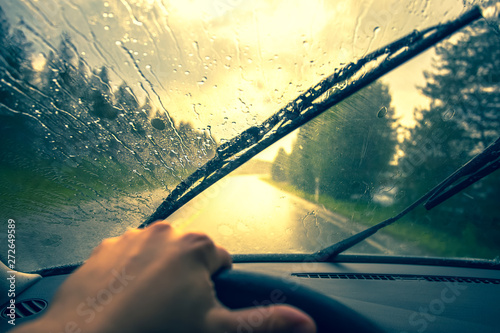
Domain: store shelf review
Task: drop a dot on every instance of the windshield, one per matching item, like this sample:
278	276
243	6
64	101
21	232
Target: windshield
106	106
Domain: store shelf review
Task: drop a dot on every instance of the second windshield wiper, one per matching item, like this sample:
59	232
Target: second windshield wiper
478	167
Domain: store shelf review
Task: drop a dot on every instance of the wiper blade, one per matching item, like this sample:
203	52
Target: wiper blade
478	167
314	101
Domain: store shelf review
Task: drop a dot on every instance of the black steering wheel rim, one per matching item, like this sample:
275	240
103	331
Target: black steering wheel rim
239	289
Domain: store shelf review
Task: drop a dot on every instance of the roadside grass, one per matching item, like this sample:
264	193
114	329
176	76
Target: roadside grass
432	241
47	186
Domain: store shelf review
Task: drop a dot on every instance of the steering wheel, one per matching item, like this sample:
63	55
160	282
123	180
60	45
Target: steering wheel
239	289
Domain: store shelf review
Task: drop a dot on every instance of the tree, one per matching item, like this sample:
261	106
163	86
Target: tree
15	74
348	149
279	168
126	98
464	82
462	119
73	127
101	98
15	50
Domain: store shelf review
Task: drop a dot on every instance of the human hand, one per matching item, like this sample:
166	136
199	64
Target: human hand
155	280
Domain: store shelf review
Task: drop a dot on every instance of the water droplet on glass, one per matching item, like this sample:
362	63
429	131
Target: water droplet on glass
158	124
448	114
203	80
382	112
106	27
187	72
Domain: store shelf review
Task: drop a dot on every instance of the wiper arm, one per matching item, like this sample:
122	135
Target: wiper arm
478	167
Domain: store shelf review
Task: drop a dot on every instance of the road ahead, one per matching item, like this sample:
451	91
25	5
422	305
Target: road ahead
248	215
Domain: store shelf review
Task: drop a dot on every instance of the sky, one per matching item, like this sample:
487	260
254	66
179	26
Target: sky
225	65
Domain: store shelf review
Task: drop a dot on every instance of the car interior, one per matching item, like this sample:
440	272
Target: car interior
410	94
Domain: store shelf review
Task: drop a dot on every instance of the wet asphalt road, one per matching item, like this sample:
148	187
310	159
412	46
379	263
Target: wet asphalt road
248	215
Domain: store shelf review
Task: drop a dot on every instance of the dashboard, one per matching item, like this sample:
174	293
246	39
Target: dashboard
396	297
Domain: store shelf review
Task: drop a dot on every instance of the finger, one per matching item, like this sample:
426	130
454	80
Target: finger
224	259
205	251
268	319
159	234
159	226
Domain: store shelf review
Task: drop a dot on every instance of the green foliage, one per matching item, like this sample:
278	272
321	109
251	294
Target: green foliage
15	49
464	85
430	240
328	163
279	167
345	152
66	129
463	118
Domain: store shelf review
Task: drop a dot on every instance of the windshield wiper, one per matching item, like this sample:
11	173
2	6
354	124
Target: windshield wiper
478	167
328	92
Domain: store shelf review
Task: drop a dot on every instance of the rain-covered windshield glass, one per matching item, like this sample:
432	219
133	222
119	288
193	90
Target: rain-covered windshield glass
106	106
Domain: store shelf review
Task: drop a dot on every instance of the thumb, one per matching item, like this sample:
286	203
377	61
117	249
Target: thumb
264	319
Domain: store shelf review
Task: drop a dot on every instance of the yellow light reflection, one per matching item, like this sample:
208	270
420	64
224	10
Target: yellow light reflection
201	9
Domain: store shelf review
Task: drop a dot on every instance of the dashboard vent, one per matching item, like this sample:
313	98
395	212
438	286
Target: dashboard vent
396	277
26	308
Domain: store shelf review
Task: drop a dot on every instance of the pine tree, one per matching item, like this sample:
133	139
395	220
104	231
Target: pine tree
279	169
126	98
348	149
464	83
463	118
15	74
